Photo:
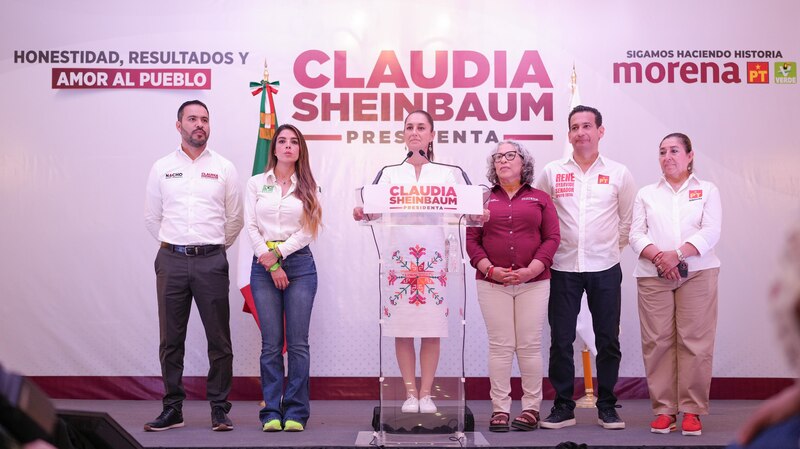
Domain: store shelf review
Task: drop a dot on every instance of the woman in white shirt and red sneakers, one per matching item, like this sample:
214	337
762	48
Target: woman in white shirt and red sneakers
282	216
676	225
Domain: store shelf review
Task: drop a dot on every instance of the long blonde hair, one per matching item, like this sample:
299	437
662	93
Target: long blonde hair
306	189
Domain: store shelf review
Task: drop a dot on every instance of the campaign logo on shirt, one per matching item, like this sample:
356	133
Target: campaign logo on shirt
209	175
529	198
565	185
267	189
174	175
602	179
695	195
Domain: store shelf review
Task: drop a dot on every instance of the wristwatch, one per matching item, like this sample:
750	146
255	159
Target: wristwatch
680	255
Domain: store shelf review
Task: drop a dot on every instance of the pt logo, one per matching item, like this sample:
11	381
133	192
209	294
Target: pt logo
757	73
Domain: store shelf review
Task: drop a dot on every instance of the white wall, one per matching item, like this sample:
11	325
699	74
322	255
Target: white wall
78	294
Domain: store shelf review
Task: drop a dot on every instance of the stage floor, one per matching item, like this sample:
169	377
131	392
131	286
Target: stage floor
338	423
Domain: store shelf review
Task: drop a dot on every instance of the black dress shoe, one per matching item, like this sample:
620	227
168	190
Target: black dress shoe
219	420
169	418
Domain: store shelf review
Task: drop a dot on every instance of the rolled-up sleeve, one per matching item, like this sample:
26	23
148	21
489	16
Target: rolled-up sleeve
475	248
153	206
550	232
710	225
233	207
638	237
257	242
627	193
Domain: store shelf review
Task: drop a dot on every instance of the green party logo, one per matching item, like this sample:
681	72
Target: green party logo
785	72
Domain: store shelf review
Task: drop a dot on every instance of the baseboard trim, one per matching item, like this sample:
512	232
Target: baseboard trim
364	388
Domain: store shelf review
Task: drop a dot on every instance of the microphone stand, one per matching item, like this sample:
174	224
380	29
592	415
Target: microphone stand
463	173
380	173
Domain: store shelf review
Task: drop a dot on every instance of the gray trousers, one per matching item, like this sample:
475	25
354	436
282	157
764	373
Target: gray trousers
179	278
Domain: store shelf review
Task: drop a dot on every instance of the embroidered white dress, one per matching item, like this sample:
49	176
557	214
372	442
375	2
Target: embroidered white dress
414	280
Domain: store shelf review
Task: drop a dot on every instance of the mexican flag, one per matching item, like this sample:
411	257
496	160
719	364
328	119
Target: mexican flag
266	131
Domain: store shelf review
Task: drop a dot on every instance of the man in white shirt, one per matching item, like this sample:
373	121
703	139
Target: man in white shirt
594	197
193	207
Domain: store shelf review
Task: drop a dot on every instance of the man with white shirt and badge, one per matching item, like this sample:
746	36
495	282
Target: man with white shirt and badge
194	208
594	197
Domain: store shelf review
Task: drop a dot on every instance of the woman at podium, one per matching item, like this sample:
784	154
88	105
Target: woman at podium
512	254
416	312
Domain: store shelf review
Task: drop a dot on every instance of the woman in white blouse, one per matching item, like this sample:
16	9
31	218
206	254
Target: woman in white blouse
410	316
676	225
282	216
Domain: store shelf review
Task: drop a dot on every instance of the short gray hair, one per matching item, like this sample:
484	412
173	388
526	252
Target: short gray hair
527	163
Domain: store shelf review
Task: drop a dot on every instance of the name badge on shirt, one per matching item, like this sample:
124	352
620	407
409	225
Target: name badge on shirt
267	189
695	195
564	185
602	179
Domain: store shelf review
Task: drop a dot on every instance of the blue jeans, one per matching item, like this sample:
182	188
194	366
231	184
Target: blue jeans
295	303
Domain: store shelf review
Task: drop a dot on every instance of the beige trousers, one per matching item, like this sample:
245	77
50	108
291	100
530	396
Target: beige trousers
514	317
678	323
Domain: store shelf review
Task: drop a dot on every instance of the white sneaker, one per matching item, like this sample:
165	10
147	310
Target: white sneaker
426	405
411	405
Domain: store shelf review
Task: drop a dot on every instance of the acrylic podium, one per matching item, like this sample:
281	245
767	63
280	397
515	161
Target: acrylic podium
419	234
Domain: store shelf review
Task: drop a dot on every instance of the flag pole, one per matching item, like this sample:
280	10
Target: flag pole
588	400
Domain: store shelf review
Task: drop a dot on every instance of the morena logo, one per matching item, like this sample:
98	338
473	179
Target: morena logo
676	71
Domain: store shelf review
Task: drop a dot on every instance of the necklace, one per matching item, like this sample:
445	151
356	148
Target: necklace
283	182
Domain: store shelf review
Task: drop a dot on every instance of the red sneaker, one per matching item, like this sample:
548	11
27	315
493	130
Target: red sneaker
691	424
664	424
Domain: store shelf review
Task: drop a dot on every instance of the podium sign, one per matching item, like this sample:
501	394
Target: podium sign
422	198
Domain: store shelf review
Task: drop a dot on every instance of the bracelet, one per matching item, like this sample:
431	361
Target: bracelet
275	267
680	255
653	260
489	272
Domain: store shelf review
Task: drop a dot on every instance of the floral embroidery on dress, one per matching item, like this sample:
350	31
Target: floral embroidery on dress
417	277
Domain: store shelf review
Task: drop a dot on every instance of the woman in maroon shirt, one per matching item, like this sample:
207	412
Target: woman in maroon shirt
512	254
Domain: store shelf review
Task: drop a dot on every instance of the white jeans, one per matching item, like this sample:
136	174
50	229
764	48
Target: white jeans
514	317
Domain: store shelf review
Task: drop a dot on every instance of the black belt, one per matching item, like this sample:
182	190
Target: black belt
191	250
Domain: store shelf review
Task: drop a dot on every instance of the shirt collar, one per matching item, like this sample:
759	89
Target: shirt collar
600	161
181	153
499	189
692	179
270	177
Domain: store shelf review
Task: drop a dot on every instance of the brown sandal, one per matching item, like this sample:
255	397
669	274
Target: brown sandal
528	420
499	422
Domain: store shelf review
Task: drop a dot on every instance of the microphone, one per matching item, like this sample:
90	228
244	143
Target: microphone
380	173
463	173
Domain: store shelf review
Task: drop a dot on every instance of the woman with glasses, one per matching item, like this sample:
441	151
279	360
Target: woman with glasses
512	254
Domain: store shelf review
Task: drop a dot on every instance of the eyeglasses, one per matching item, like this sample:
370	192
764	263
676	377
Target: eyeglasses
509	156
